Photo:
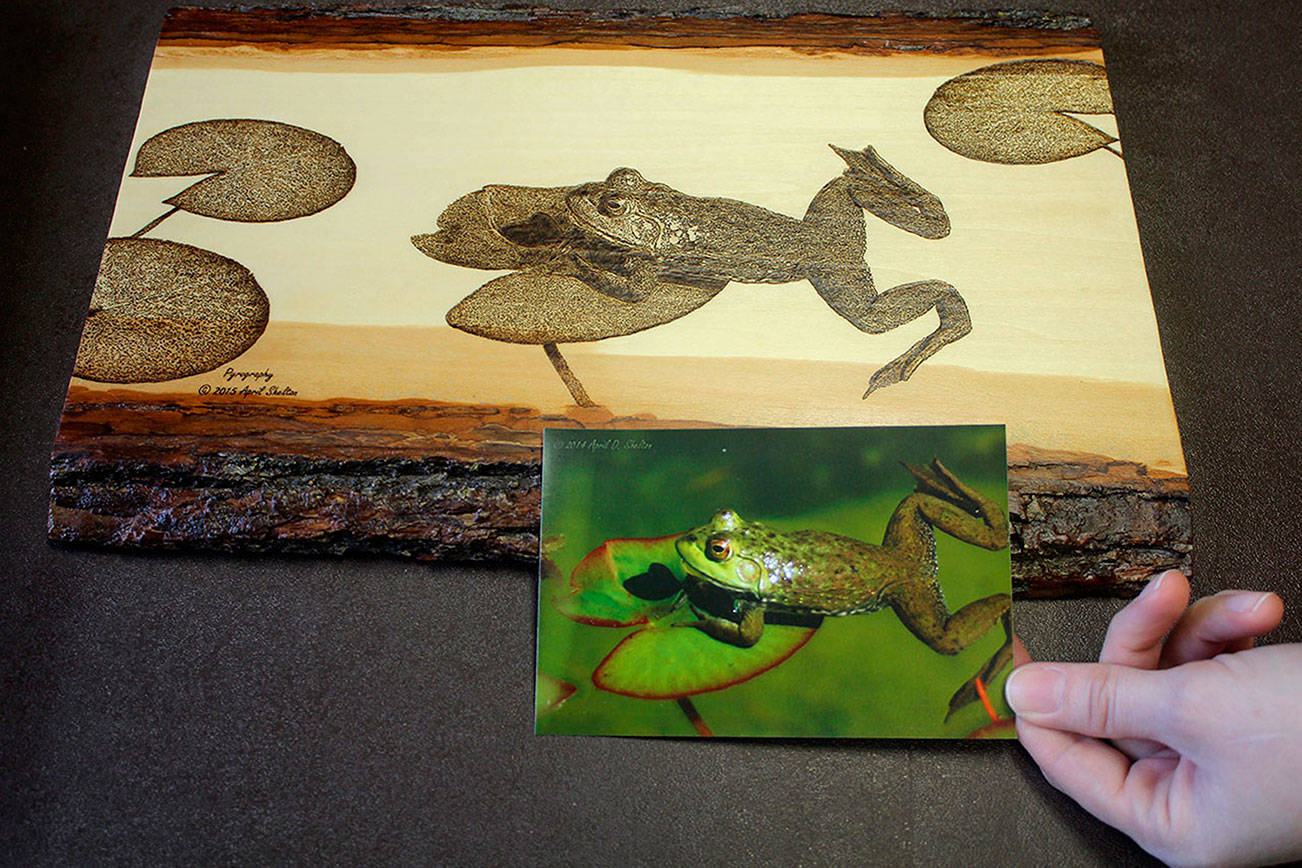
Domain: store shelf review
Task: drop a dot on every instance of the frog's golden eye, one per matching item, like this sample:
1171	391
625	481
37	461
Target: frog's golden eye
612	206
718	548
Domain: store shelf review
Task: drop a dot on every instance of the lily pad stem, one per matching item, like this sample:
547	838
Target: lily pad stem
567	376
694	717
154	223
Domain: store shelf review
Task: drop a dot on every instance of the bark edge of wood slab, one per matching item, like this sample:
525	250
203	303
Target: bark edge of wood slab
458	482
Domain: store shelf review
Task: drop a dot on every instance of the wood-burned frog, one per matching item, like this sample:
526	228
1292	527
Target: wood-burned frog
653	254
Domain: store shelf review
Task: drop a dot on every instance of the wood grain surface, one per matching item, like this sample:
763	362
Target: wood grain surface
193	709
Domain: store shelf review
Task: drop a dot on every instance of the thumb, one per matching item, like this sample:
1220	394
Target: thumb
1094	699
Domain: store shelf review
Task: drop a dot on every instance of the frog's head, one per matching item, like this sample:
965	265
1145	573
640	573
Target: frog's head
726	552
619	209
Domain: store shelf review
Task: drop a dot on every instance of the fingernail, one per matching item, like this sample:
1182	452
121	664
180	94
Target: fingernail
1245	602
1035	689
1153	584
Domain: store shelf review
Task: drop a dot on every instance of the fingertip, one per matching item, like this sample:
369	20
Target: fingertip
1035	689
1267	612
1153	586
1222	623
1175	583
1263	604
1134	636
1272	609
1165	595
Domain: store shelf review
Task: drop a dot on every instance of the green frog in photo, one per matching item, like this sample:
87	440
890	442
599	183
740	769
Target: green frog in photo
758	571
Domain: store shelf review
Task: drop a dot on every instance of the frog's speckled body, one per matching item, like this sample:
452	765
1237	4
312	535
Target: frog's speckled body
816	573
682	237
647	244
806	571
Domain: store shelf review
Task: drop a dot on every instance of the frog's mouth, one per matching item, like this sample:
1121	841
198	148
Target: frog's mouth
744	591
537	230
500	227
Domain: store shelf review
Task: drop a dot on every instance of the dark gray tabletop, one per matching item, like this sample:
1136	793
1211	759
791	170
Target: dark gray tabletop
210	709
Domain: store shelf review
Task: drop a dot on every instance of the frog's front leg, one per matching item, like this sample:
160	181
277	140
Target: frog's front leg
743	633
640	279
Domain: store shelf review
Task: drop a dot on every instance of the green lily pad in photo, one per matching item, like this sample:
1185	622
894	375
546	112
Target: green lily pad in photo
674	661
614	585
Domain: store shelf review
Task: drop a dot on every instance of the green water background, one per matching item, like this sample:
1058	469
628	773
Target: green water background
861	675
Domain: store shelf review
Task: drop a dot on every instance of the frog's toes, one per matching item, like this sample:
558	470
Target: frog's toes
887	376
972	690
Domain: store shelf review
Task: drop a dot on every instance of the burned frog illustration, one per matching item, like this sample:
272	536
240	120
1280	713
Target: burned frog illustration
743	570
617	256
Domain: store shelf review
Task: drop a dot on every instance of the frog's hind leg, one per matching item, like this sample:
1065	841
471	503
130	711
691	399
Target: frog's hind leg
843	280
968	693
943	501
880	313
910	534
921	607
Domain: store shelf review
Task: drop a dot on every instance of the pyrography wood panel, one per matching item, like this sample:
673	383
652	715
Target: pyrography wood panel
376	426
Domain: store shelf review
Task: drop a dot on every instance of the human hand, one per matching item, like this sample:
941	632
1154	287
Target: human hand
1190	741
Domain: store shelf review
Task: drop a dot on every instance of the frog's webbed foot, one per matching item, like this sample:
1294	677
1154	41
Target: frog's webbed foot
967	693
743	633
946	502
938	481
880	189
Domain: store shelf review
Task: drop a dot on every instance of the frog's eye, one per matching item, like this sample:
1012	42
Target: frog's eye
612	206
718	548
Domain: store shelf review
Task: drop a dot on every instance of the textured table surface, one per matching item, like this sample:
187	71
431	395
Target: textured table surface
208	709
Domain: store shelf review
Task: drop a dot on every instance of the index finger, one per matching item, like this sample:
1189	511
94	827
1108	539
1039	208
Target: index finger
1135	634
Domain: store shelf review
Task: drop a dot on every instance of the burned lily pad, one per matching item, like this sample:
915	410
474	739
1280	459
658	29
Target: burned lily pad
163	310
1020	111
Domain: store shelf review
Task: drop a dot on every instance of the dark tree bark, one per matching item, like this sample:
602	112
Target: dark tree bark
440	481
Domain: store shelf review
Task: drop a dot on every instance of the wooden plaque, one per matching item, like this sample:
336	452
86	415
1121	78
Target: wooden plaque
361	258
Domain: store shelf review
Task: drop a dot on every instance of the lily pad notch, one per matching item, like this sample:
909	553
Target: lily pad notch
1020	112
162	310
